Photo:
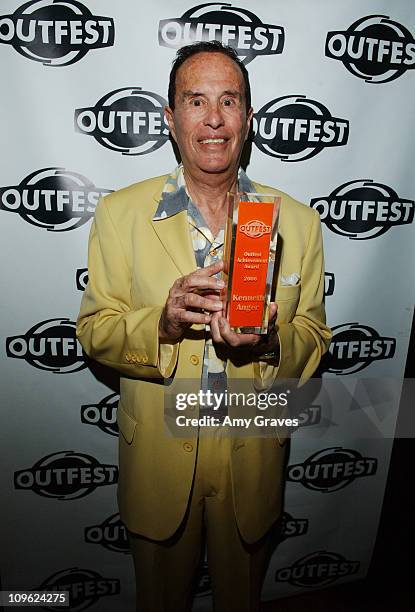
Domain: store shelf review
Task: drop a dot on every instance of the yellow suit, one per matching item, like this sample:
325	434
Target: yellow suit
133	262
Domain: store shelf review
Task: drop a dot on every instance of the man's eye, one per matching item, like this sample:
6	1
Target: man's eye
197	102
228	102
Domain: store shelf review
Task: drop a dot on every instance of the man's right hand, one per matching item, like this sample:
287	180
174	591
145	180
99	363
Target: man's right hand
191	300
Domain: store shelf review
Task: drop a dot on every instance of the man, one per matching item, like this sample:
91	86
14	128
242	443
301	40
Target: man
151	310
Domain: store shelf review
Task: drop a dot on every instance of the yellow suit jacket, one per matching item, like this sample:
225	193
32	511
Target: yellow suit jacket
132	263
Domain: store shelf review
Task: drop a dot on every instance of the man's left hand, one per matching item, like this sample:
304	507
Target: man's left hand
258	343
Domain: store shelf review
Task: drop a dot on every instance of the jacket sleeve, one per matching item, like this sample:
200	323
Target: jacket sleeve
108	327
304	340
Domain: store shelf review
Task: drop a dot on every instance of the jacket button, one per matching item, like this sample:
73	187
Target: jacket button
194	360
188	447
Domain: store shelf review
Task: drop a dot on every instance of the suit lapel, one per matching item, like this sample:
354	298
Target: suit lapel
173	233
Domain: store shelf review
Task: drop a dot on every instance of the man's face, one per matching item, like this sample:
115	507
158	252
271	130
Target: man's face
210	122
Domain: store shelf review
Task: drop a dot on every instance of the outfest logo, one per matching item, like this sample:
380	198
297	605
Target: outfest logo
295	128
54	199
129	120
355	347
55	32
111	534
374	48
363	209
317	569
329	283
50	345
230	25
292	527
103	414
65	475
255	229
309	415
81	278
331	469
85	587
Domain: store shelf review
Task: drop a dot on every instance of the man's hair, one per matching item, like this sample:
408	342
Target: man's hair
213	46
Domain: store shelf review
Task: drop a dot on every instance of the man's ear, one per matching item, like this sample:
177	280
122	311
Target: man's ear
249	116
168	113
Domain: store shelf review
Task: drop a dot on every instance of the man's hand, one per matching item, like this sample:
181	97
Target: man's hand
191	300
258	343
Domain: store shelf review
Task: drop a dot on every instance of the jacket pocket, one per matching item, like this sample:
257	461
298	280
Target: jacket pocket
126	424
288	292
287	299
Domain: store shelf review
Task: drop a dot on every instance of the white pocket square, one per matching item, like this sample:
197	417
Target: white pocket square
291	279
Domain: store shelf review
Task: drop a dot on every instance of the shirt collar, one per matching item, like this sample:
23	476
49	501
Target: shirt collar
175	199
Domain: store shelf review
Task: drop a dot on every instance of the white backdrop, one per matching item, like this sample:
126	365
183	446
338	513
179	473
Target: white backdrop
332	87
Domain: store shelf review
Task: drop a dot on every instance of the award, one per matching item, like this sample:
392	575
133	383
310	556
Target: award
249	255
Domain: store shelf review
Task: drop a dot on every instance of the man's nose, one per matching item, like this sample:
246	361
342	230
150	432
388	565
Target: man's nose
214	116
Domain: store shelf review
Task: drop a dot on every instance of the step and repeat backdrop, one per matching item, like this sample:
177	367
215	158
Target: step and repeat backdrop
83	90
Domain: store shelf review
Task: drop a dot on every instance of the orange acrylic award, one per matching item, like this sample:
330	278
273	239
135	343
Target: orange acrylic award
249	256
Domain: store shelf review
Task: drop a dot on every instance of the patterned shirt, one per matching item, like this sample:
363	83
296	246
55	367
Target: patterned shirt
208	249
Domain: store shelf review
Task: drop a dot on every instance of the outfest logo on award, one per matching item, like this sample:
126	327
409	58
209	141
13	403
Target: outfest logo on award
54	199
129	120
55	32
317	569
103	414
65	475
374	48
50	345
331	469
295	128
230	25
255	229
355	347
111	534
363	209
85	587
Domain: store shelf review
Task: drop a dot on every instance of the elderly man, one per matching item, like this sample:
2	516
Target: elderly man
151	310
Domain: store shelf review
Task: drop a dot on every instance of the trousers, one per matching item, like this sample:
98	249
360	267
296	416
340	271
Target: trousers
166	571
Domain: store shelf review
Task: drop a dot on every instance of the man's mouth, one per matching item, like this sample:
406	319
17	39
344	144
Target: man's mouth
212	141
